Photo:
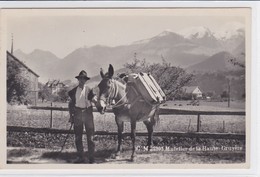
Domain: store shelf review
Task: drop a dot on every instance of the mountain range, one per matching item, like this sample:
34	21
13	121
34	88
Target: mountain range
197	50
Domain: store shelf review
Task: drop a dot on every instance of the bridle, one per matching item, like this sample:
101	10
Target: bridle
114	90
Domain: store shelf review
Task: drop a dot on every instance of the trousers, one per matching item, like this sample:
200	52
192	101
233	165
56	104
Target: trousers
84	118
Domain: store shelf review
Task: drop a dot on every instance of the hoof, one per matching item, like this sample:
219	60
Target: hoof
113	156
133	158
79	160
91	160
116	156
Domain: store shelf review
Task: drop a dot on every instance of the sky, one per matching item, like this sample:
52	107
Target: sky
63	31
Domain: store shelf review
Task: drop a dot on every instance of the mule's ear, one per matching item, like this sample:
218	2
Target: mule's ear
110	71
102	73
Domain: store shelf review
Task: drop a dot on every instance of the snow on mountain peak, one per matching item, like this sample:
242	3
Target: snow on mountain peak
225	32
229	30
165	33
196	32
229	34
144	41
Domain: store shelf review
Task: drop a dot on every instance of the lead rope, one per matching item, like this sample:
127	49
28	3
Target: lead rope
118	105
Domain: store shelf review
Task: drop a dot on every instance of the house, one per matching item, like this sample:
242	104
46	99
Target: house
55	86
30	75
194	90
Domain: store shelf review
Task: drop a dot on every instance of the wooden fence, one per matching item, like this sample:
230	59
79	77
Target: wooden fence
163	111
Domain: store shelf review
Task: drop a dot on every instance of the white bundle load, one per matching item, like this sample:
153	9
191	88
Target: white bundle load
147	87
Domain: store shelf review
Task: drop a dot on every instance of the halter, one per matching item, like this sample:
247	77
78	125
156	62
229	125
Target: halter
113	94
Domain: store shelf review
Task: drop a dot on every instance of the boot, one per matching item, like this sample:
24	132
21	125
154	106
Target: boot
79	160
91	160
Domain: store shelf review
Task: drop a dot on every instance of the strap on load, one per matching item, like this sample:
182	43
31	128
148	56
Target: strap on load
139	96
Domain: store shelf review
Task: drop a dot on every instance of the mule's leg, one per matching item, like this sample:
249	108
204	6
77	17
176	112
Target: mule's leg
133	135
149	126
120	129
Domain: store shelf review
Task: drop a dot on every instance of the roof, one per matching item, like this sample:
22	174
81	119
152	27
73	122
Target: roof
16	59
190	89
54	83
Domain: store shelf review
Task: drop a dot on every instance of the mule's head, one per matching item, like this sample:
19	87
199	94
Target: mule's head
105	89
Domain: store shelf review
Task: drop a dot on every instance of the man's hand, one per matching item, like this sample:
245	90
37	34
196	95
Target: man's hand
71	120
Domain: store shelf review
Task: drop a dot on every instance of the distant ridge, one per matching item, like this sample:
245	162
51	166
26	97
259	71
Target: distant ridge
217	62
196	50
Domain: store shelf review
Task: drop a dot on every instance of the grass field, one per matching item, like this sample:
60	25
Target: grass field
21	116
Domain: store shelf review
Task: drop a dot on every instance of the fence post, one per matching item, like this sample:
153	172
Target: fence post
198	123
224	126
51	124
228	92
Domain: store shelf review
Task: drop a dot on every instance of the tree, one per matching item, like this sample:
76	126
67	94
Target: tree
63	94
242	65
44	93
16	83
170	78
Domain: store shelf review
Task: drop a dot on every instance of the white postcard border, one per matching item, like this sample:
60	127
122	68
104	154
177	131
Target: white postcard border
254	88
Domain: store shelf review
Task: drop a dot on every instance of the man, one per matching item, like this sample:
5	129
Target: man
81	114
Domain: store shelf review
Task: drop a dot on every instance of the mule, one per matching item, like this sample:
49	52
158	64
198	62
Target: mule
129	107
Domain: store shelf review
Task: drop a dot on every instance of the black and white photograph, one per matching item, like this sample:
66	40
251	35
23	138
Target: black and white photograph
100	87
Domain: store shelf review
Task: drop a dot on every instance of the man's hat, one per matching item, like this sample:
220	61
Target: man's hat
83	74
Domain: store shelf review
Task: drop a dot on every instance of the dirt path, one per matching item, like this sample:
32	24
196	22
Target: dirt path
47	156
